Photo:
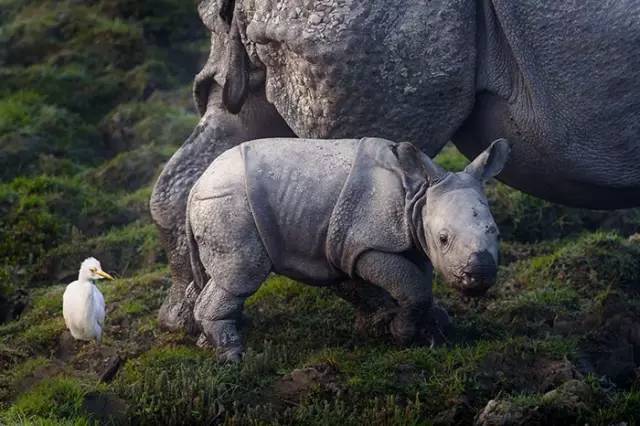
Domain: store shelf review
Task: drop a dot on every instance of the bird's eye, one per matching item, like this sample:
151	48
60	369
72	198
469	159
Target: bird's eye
93	270
444	239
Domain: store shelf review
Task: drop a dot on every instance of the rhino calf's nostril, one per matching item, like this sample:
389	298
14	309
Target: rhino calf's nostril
480	261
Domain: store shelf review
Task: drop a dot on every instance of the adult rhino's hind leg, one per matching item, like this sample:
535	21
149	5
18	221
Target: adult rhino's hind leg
168	203
217	131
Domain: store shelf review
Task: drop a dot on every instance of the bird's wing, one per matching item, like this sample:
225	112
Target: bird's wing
66	304
98	300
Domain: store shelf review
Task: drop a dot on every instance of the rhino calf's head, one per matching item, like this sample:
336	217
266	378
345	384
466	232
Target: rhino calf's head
460	234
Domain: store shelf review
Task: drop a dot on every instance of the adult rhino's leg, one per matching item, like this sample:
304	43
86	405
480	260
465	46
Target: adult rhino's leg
216	132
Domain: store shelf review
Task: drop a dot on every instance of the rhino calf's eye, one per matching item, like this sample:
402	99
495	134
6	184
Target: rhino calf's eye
444	239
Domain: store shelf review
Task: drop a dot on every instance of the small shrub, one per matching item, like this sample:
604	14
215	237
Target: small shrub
134	125
522	217
134	247
624	407
389	410
56	398
63	31
94	92
41	213
130	170
41	337
176	386
283	310
59	398
45	304
597	261
30	128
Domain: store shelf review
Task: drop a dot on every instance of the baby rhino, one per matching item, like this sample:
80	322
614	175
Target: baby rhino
350	214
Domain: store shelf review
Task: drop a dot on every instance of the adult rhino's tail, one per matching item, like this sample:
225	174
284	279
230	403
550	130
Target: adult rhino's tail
197	268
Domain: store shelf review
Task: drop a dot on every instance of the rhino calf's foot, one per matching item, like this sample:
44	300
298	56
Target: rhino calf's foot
434	327
405	328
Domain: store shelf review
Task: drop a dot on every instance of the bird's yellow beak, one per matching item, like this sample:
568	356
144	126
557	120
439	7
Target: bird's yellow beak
103	274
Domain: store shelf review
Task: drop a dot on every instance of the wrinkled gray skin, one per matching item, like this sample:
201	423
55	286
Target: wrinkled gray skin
560	80
325	212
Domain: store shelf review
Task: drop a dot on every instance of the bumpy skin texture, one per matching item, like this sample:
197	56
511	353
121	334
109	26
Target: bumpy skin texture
349	214
559	79
336	66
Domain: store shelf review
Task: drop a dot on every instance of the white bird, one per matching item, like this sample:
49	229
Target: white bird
83	304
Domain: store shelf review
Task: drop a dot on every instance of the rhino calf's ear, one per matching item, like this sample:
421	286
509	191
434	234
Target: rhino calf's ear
491	161
236	85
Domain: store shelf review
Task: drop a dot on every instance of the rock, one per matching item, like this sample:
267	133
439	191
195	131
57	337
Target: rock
554	373
105	408
500	412
203	343
569	402
302	381
572	391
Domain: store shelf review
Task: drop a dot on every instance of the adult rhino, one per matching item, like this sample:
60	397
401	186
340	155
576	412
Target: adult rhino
559	79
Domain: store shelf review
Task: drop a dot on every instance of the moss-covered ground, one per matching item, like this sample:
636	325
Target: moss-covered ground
94	97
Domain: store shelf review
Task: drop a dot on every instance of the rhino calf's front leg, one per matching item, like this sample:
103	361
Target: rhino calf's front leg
408	284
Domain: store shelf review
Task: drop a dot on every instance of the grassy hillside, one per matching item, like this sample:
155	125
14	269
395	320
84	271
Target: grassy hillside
94	97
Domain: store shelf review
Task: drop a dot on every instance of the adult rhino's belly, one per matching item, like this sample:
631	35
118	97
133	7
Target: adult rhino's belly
553	163
401	70
564	86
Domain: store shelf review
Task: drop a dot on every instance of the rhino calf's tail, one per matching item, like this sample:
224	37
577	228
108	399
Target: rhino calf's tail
197	268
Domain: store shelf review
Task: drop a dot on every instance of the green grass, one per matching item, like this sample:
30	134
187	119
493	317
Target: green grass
94	98
53	400
178	386
451	159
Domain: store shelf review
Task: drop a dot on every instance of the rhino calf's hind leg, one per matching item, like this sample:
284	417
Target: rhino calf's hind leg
231	251
218	309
